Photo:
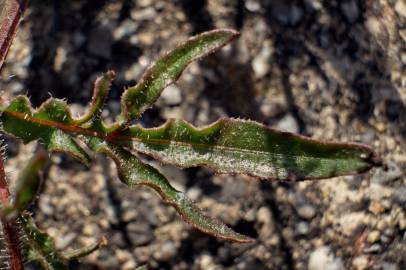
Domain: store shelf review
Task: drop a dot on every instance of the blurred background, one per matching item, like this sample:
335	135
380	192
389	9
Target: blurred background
332	70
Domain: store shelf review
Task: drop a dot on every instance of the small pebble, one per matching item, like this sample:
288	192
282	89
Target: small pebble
360	262
194	193
172	95
306	211
129	214
374	236
376	207
288	123
253	5
302	228
323	259
261	62
166	252
400	8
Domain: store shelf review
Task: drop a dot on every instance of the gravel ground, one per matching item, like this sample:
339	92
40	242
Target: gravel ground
333	70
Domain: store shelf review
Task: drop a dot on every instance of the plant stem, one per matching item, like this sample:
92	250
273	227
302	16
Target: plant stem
9	227
10	12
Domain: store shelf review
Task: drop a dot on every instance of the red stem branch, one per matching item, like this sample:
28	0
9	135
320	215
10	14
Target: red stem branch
9	227
10	15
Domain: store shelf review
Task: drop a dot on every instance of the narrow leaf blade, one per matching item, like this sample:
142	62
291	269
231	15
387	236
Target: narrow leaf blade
133	172
29	182
167	69
82	252
247	147
101	89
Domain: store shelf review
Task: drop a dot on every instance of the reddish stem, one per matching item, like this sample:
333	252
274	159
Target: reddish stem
11	12
10	15
9	227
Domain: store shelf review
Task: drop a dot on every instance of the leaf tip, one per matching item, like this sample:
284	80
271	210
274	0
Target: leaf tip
233	33
228	35
243	239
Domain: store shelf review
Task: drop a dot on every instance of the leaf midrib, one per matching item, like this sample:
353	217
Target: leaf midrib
113	137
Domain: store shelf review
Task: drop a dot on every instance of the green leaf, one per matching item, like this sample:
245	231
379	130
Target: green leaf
20	120
100	91
29	182
227	146
247	147
40	246
133	172
59	141
168	69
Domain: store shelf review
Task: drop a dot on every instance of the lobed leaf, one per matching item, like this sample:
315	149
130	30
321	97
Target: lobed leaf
133	172
247	147
227	146
17	120
167	69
